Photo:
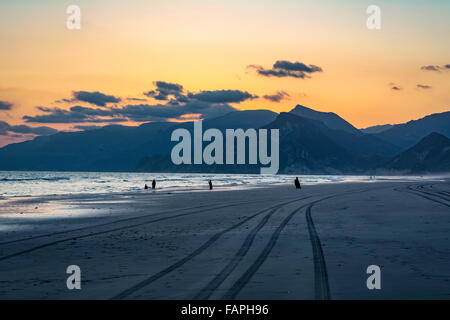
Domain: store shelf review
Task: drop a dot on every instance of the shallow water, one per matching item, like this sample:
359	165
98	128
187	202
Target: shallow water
34	183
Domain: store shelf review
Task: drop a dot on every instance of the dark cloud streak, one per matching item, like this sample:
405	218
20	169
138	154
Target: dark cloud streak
435	68
4	105
76	114
164	90
96	98
222	96
277	97
177	104
283	68
6	129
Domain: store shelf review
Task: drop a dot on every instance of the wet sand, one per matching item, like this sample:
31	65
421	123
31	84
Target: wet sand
271	242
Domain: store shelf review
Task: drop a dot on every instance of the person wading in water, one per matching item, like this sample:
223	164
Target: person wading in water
153	184
210	185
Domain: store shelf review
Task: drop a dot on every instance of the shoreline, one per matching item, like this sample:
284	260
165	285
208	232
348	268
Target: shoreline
174	245
237	186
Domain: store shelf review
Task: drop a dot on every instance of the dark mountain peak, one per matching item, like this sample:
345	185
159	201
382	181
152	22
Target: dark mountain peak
241	119
259	114
299	121
376	129
113	147
330	119
430	154
434	138
408	134
301	108
289	116
356	144
441	116
289	120
305	146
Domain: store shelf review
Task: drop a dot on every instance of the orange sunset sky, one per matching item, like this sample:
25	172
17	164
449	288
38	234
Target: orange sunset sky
392	75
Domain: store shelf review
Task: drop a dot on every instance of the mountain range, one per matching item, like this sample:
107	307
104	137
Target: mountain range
405	135
310	142
431	154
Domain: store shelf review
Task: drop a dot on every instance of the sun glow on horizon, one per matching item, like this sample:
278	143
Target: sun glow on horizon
124	47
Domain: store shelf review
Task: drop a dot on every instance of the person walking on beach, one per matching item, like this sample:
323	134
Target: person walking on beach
210	185
153	184
297	183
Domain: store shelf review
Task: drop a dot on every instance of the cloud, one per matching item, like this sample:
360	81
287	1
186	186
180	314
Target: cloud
4	105
164	90
283	68
76	114
56	115
435	67
222	96
4	128
91	111
65	100
276	97
296	66
431	68
146	112
10	130
138	113
137	99
423	86
175	104
394	86
96	98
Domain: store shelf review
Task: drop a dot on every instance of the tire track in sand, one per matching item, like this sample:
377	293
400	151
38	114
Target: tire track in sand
209	289
322	290
425	195
52	243
116	221
196	252
321	285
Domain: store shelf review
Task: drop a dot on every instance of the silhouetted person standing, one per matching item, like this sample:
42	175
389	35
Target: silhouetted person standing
210	185
146	187
153	184
297	183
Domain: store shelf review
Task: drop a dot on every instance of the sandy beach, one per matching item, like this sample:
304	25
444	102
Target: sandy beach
271	242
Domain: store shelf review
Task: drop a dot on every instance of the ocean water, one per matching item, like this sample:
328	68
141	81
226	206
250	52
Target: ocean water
34	183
